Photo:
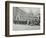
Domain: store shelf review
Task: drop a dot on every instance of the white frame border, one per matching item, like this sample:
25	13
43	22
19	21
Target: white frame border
24	32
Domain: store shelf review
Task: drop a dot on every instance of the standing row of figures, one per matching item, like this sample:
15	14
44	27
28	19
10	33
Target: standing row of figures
29	20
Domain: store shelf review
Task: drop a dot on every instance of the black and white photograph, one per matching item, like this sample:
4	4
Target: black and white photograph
25	18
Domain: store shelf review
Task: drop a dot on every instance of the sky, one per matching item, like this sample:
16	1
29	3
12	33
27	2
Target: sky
26	11
30	9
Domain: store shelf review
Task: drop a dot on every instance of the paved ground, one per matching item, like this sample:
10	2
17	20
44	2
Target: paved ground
17	27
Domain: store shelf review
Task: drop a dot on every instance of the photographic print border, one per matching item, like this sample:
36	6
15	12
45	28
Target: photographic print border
7	18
